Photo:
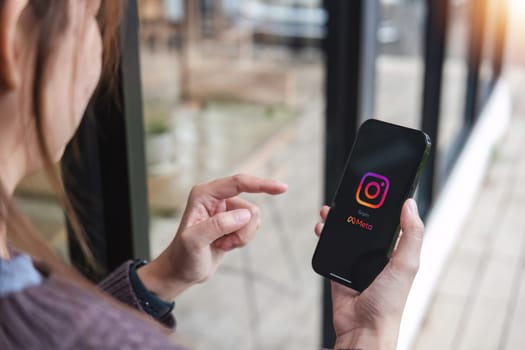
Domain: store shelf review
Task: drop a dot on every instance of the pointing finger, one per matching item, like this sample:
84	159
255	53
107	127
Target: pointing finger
232	186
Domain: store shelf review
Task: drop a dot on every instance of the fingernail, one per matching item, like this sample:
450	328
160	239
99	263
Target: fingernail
282	184
242	215
412	206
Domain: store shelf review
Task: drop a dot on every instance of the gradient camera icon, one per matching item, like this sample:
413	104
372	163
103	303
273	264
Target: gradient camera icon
372	190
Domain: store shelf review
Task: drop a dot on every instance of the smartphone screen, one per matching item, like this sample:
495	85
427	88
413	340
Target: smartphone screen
363	223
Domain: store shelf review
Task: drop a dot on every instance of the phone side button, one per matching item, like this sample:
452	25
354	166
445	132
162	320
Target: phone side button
340	278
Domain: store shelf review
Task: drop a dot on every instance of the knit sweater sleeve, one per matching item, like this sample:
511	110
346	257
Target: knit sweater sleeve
118	284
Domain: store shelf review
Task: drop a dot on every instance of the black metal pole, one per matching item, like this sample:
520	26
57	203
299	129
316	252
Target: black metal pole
475	56
500	38
104	166
350	53
435	46
131	85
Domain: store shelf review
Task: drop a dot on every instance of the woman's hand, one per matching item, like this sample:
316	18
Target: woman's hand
215	221
370	320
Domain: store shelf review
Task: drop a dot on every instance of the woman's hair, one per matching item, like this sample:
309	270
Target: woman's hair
52	19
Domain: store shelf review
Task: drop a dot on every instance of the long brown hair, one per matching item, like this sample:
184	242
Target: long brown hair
52	17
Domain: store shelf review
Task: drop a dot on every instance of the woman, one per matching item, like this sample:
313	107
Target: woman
51	54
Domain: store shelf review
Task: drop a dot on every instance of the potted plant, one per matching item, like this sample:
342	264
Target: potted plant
159	142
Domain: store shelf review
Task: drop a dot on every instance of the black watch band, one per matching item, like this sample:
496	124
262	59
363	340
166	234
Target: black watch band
152	304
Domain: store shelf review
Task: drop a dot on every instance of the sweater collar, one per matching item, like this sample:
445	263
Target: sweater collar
17	274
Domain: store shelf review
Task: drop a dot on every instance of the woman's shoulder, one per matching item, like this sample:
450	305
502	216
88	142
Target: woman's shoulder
57	314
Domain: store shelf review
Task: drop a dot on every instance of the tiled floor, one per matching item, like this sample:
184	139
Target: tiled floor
480	302
265	296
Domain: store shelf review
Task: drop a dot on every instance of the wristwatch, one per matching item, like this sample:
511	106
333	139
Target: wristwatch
152	304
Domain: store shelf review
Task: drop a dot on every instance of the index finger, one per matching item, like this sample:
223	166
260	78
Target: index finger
234	185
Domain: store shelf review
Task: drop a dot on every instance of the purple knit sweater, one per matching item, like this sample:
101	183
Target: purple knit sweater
58	314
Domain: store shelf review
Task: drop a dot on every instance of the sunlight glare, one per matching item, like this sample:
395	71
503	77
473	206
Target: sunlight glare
517	7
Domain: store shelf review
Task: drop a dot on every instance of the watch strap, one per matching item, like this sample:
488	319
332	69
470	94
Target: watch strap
148	301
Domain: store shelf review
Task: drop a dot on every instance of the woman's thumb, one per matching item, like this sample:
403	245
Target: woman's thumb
219	225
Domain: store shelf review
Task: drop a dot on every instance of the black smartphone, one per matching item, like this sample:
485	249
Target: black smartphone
362	227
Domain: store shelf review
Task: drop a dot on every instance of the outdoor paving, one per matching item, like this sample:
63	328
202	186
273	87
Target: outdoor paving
480	300
265	296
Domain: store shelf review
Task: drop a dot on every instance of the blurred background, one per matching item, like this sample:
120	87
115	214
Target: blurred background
277	88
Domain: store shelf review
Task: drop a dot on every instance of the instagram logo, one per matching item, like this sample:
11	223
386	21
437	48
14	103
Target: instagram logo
372	190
